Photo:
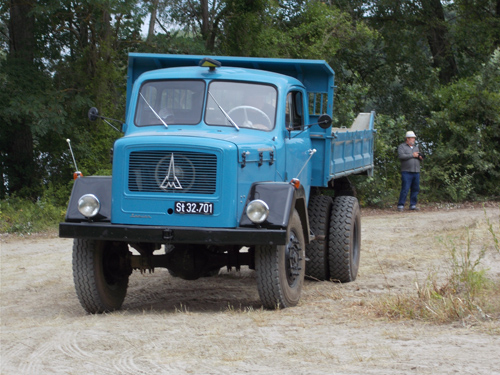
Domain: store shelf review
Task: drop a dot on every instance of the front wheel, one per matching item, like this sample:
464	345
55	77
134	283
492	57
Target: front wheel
101	270
345	239
280	269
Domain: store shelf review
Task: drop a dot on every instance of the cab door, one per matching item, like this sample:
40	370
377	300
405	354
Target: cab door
297	140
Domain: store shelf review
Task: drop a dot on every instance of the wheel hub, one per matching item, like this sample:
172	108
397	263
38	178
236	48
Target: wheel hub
293	259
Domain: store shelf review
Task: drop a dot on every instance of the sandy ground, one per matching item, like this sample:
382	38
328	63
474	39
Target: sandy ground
216	325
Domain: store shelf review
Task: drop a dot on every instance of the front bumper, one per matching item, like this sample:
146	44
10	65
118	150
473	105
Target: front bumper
161	234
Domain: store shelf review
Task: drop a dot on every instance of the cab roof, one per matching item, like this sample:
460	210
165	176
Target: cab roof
315	75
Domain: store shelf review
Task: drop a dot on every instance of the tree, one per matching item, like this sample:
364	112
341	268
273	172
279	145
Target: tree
64	56
152	20
466	129
19	166
439	41
196	18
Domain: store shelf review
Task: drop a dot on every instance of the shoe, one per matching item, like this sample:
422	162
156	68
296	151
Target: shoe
401	208
413	208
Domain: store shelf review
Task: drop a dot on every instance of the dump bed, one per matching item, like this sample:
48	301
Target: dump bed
344	151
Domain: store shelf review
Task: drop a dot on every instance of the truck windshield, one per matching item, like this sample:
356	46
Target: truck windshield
176	102
249	105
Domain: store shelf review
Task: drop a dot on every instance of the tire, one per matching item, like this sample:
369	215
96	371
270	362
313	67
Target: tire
280	269
345	239
319	211
100	273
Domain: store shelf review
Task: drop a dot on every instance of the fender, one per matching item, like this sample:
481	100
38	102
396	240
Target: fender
281	198
100	186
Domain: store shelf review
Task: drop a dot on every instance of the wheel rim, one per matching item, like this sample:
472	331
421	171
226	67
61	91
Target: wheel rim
293	259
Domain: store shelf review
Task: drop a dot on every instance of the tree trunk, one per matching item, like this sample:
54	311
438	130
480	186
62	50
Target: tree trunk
152	20
438	39
497	38
22	30
205	22
20	163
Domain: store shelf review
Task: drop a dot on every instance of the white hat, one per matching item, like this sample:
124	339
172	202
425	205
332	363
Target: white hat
410	134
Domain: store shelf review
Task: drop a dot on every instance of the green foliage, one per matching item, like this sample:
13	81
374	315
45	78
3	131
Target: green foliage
466	126
476	32
458	186
175	42
290	29
25	217
467	277
494	233
79	62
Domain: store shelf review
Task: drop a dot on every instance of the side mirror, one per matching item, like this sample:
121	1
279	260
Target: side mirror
324	121
93	114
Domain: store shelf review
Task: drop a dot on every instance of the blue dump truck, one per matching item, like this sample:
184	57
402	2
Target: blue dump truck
224	162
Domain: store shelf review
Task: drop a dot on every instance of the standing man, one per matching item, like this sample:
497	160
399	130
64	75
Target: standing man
410	158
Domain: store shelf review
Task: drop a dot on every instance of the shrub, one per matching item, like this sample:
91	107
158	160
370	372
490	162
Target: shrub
25	217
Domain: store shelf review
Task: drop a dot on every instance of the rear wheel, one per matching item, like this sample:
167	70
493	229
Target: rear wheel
319	211
345	239
280	269
101	270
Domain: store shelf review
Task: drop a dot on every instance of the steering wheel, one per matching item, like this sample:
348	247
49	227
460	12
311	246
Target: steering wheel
166	114
247	123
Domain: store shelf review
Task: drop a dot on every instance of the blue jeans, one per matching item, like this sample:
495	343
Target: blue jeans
409	180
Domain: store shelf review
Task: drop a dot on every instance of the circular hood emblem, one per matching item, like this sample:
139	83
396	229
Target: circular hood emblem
175	173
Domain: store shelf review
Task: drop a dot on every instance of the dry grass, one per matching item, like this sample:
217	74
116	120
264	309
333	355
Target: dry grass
467	294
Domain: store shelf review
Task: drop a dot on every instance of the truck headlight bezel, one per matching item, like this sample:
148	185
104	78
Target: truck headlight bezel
89	205
257	211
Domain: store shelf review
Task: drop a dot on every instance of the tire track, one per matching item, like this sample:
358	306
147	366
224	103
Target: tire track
68	345
129	362
34	363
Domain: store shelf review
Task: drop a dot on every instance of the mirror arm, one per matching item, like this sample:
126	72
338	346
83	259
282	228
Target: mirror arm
93	115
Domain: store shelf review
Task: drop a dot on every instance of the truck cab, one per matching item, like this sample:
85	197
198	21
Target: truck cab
217	165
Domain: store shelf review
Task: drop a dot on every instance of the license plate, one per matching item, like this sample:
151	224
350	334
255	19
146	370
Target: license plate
201	208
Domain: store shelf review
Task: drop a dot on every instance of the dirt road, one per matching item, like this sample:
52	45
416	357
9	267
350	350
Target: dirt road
216	325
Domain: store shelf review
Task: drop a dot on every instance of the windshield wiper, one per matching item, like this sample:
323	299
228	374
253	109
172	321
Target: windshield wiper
224	112
151	108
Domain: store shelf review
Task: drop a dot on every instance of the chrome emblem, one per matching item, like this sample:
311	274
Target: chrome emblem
171	180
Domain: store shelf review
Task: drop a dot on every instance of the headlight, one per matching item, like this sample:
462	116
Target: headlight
257	211
89	205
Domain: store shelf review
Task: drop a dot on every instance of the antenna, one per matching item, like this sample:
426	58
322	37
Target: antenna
77	173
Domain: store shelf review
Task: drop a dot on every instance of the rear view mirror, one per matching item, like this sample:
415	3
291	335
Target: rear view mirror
325	121
93	114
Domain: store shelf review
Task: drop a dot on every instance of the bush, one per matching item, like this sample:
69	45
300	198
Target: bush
25	217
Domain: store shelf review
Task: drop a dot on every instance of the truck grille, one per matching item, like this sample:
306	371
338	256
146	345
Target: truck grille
178	172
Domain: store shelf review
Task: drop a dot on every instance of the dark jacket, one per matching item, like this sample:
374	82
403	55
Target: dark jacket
408	162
